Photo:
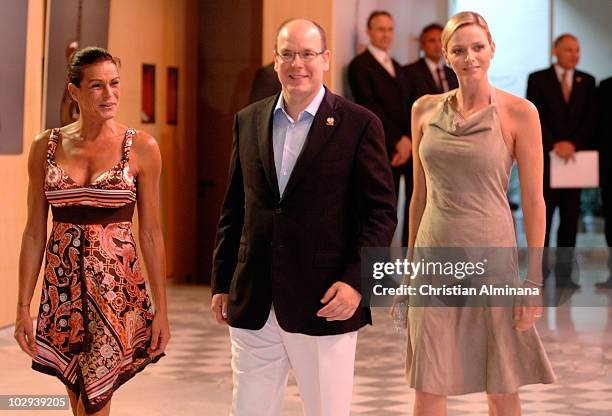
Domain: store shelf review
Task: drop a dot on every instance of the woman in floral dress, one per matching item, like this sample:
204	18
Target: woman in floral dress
96	326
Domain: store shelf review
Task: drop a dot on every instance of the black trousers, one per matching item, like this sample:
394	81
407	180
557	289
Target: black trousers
568	202
406	171
606	198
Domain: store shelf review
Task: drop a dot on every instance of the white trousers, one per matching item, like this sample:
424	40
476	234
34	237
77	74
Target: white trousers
323	368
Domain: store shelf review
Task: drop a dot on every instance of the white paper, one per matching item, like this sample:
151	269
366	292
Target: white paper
582	172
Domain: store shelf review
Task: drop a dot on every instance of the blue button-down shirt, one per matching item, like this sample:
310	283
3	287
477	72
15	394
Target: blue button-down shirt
289	136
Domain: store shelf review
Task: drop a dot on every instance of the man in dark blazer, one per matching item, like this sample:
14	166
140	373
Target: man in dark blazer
429	74
565	99
376	82
309	186
603	138
265	83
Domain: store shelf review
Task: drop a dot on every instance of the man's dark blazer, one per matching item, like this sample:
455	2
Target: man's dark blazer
375	89
603	140
419	82
288	251
571	121
265	83
602	136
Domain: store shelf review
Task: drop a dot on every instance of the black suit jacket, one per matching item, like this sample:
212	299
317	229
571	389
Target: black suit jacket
419	81
375	89
288	251
571	121
265	83
602	137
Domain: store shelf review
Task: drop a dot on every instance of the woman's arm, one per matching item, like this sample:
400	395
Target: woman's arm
530	161
148	160
419	194
419	189
32	242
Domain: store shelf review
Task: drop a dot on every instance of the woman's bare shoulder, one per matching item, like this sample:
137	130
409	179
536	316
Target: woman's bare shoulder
428	102
40	142
145	151
515	106
425	105
143	142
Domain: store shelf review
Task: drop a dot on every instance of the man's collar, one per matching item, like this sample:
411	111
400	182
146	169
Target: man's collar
432	65
378	53
311	109
559	70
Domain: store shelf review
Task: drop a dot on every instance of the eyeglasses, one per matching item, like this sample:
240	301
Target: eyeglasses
306	56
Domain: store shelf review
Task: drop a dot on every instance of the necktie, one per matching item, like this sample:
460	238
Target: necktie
440	79
389	65
565	88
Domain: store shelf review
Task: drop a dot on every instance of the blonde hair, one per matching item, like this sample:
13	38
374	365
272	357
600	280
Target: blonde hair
464	19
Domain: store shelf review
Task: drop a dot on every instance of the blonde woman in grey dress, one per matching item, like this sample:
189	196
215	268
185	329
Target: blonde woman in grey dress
465	142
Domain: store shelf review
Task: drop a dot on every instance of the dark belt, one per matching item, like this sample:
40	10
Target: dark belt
84	215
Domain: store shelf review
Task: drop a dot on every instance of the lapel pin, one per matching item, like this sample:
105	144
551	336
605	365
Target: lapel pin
330	121
578	79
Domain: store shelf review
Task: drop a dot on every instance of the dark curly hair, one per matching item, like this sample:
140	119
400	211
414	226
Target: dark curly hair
87	56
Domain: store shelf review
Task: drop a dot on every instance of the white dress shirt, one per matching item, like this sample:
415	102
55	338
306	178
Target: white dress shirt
383	58
433	68
569	75
289	136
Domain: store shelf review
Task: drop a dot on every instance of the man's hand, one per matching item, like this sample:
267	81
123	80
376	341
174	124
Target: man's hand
565	149
218	308
342	300
403	151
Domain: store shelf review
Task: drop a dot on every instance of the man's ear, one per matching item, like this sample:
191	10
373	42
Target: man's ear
327	57
275	61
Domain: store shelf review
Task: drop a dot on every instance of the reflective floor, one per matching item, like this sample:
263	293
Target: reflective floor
195	377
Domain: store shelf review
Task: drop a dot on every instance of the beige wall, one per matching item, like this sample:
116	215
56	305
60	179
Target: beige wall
13	169
277	11
345	21
162	32
159	32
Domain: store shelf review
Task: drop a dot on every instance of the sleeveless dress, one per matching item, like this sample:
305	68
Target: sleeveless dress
460	350
95	315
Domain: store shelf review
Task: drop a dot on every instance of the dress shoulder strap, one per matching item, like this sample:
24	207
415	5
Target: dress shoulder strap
52	144
127	144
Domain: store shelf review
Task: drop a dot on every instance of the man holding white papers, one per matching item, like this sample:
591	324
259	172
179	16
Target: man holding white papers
565	98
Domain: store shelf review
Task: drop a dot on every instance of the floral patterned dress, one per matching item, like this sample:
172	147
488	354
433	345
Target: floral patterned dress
94	322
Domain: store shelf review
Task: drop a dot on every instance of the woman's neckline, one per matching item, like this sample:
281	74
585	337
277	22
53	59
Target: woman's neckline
98	177
453	101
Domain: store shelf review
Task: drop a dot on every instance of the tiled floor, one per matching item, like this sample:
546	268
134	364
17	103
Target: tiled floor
195	377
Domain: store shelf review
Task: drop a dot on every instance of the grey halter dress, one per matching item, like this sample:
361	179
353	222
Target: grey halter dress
455	350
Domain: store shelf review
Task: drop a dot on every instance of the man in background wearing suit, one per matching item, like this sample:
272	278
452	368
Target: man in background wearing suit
429	74
603	139
376	82
309	186
565	99
265	83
